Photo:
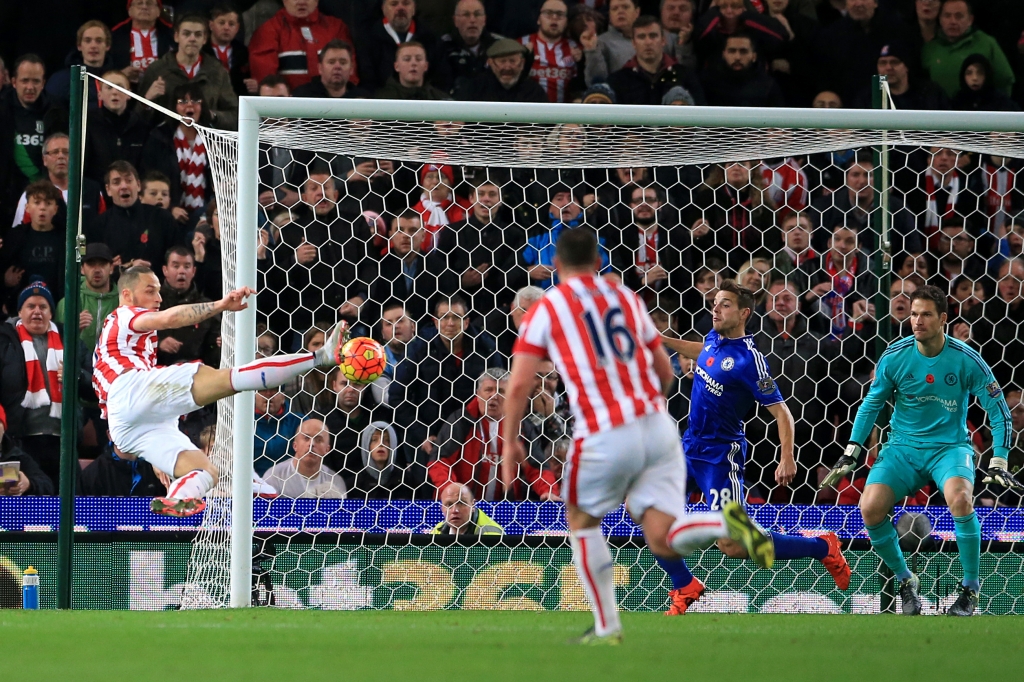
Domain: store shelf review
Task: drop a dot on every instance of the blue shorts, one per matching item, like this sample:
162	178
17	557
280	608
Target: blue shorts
908	468
716	469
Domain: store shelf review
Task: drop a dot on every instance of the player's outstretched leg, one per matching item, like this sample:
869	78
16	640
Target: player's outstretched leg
760	545
959	495
686	589
826	549
194	477
875	504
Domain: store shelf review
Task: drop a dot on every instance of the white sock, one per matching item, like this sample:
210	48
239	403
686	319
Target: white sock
597	573
194	484
271	372
696	531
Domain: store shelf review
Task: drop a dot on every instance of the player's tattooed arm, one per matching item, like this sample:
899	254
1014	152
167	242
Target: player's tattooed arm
192	313
688	349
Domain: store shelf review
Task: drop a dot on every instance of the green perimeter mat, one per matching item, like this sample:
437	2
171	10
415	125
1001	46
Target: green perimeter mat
274	644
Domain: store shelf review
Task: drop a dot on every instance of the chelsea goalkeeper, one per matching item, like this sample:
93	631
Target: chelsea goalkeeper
929	377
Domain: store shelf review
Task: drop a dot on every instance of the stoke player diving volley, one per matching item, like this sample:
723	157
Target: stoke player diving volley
730	375
626	448
142	402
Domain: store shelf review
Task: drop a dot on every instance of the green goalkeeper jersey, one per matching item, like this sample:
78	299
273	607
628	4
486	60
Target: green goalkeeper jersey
931	396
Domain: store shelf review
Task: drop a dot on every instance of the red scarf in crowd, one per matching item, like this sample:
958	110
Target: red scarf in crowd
1000	181
191	71
835	300
192	164
223	55
647	254
144	47
394	34
737	215
933	219
36	395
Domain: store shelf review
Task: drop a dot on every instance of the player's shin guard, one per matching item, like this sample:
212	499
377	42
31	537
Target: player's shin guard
597	573
271	372
691	532
884	541
968	542
193	485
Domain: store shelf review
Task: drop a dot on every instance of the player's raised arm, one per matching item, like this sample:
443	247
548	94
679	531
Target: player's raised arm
521	382
192	314
688	349
787	462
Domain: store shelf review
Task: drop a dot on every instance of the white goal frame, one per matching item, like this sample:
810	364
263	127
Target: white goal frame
253	109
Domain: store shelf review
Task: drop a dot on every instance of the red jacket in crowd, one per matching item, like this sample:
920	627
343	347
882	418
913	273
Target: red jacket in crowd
291	46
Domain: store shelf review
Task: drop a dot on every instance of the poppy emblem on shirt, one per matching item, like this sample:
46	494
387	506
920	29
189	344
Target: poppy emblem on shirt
728	364
930	379
710	361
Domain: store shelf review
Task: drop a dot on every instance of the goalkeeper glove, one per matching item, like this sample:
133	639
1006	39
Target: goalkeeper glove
999	474
846	464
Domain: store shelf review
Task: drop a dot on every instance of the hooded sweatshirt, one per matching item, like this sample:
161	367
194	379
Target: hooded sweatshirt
987	98
390	482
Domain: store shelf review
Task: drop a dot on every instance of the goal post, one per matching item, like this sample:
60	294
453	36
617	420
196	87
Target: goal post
513	135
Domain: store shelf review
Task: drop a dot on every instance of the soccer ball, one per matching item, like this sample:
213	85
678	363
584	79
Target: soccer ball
362	360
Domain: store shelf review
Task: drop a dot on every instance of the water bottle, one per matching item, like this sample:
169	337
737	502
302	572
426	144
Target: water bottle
30	589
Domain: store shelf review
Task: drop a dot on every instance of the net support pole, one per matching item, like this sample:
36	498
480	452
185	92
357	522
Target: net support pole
880	226
72	284
245	341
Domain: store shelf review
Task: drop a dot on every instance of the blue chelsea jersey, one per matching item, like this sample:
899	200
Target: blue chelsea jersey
730	375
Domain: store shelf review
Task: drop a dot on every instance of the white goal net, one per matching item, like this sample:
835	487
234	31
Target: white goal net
429	236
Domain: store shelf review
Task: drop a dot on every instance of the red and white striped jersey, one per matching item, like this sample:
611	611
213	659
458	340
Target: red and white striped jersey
121	349
787	185
553	67
602	341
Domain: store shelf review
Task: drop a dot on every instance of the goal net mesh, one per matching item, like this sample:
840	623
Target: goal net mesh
790	213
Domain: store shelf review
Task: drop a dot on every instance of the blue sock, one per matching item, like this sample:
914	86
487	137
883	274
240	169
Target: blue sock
677	571
887	545
798	547
968	542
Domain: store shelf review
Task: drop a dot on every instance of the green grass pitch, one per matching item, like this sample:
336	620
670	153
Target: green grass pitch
280	646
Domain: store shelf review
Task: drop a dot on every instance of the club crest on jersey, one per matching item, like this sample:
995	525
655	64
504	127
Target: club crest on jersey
951	379
993	390
728	363
766	385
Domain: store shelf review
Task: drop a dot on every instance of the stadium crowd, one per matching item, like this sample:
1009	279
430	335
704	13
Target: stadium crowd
440	263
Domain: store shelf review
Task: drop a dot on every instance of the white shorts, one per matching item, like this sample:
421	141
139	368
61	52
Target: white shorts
143	410
641	463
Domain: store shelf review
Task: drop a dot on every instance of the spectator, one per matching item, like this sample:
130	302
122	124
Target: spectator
186	344
404	272
846	53
114	132
996	324
855	204
31	353
31	479
464	51
787	184
178	151
796	249
609	52
652	243
940	191
347	416
156	191
274	85
677	25
92	50
906	265
308	392
753	275
276	425
111	476
555	55
731	17
185	66
383	475
959	39
398	330
438	205
503	323
793	66
229	49
137	234
438	373
650	74
56	155
336	61
737	80
825	169
836	285
97	297
977	88
469	448
141	39
925	22
409	78
965	295
461	517
480	252
564	212
290	42
955	255
908	89
30	119
506	78
305	474
35	251
378	47
1011	244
